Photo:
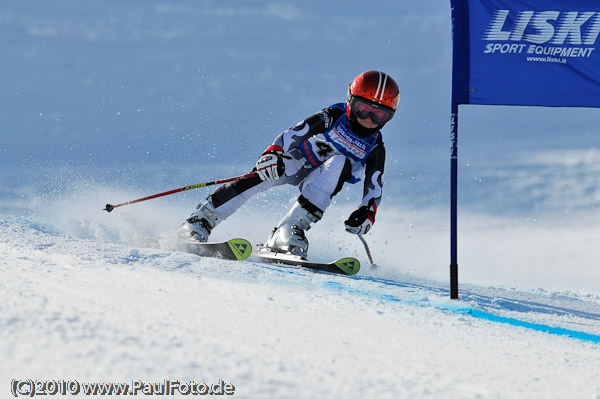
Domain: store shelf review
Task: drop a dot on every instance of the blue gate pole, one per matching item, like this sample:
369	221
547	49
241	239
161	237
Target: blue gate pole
453	201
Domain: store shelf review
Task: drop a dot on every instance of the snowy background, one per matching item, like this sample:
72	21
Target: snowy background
104	102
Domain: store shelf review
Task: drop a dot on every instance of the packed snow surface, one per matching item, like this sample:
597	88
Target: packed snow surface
96	310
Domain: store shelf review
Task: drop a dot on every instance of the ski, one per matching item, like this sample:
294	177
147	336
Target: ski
234	249
347	266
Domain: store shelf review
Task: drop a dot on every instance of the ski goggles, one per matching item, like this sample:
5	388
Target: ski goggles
363	109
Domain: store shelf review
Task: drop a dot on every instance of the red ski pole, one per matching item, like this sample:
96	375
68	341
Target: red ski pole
110	207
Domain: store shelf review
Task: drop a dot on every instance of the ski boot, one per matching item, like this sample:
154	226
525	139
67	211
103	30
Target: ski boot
199	225
289	236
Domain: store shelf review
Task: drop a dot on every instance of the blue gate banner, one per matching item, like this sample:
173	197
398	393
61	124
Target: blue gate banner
526	52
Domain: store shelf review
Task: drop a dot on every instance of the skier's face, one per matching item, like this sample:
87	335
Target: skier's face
369	114
367	123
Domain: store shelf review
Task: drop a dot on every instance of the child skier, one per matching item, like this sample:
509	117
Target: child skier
339	144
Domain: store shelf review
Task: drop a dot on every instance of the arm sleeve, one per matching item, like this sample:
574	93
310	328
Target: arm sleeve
314	124
372	191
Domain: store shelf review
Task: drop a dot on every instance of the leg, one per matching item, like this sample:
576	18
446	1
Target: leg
223	202
317	190
325	182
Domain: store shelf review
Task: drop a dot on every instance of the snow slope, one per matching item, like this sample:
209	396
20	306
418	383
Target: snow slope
104	102
90	310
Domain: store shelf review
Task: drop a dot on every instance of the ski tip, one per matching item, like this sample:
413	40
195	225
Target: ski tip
240	248
350	266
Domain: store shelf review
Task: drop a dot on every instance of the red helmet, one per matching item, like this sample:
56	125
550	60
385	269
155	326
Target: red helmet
380	91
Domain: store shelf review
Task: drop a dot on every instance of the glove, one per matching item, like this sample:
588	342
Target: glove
361	220
270	164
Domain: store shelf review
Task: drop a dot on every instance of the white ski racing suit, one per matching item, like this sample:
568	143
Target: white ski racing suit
321	153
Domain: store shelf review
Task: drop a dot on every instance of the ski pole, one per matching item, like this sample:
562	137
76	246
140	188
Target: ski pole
110	207
373	265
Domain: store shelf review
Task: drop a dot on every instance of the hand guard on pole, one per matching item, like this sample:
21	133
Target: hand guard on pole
270	164
361	220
